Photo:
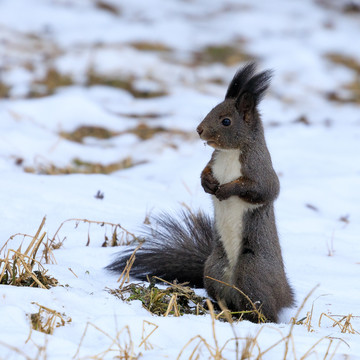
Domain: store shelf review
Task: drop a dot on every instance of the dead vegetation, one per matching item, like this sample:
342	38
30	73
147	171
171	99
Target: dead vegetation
246	348
108	7
4	90
141	130
46	320
119	235
20	268
215	352
226	54
126	83
47	85
145	132
78	166
347	61
353	87
150	46
82	132
176	300
121	345
256	311
343	322
143	116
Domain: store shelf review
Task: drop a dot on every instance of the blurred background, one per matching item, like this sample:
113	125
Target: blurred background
84	82
99	102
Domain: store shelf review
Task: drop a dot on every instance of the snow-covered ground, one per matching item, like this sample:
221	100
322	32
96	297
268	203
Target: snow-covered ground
312	122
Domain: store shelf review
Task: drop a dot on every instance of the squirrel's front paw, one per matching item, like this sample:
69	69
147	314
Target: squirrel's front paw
222	192
209	183
210	187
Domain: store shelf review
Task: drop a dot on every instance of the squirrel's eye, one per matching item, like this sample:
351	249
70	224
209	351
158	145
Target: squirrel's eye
226	122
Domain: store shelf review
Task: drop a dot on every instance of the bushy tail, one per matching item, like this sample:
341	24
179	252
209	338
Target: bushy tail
175	248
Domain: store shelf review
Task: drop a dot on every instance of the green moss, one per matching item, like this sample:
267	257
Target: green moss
174	300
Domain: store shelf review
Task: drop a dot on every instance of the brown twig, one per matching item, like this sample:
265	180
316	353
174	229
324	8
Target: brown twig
261	317
125	275
101	223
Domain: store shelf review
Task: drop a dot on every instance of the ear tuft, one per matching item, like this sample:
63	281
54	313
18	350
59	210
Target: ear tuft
241	77
258	84
245	81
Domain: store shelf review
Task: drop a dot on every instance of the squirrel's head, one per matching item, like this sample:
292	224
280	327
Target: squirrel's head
232	122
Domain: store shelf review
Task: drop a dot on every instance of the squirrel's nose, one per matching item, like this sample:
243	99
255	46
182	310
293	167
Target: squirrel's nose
200	130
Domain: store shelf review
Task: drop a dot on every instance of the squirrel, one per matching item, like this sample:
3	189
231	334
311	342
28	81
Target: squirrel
240	246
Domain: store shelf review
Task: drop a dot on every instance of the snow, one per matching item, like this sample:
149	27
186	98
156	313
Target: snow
318	164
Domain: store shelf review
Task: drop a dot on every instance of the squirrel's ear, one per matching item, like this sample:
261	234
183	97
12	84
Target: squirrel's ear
245	103
252	93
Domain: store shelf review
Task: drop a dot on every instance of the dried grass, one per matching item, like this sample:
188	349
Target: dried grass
175	300
120	236
46	320
256	311
17	351
150	46
108	7
47	85
119	348
17	267
213	351
4	90
84	131
343	323
289	336
352	87
79	166
228	55
125	83
145	337
125	275
141	130
306	320
145	132
142	116
347	61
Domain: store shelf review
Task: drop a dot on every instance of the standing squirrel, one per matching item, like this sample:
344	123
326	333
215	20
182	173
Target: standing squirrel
240	247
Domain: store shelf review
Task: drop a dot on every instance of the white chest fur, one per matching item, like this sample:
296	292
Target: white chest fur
229	213
226	166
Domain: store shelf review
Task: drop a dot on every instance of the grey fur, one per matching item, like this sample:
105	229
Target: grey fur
175	248
194	248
